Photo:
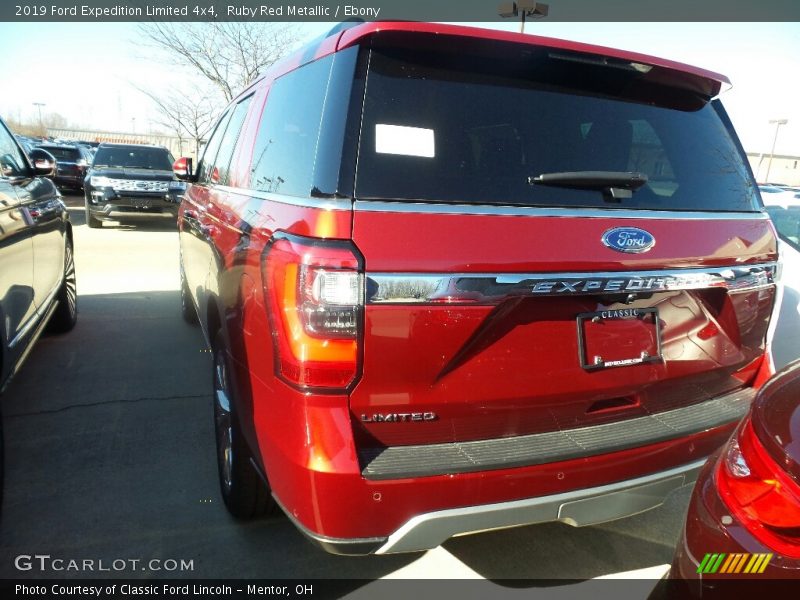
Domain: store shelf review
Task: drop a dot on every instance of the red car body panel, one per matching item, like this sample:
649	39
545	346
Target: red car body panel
483	377
712	526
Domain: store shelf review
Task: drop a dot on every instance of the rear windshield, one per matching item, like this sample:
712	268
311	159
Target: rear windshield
450	127
132	157
63	154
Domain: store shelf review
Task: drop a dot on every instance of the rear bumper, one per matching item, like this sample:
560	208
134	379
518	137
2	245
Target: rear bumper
542	448
577	508
65	179
326	490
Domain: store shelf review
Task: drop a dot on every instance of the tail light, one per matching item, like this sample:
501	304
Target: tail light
759	493
314	291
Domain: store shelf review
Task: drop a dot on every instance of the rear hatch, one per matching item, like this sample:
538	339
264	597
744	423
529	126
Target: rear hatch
66	160
505	298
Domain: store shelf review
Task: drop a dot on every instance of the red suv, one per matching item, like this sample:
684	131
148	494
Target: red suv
458	279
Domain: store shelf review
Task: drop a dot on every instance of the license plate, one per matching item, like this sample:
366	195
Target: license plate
618	338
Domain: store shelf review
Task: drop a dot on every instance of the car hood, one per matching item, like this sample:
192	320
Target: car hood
142	174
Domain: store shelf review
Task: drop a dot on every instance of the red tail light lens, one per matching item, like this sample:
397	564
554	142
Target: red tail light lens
759	493
314	291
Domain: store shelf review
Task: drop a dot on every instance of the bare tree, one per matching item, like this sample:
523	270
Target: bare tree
51	120
189	118
229	55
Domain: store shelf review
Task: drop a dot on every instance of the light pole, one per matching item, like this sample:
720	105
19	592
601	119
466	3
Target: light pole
522	9
777	123
39	105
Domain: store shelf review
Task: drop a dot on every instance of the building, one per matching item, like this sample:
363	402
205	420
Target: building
784	169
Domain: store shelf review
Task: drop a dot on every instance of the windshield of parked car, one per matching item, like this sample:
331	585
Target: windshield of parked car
471	125
133	157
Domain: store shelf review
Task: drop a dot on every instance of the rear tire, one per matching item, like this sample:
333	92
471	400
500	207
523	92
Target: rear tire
245	494
66	313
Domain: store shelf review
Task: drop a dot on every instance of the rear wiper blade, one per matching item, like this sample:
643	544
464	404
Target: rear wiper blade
615	185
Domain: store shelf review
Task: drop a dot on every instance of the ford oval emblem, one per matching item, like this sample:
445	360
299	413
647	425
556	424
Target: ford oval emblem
629	239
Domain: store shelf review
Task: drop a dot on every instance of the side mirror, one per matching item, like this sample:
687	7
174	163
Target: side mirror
183	169
44	163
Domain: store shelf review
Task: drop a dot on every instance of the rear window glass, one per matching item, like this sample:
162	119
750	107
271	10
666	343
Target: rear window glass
133	157
65	154
450	127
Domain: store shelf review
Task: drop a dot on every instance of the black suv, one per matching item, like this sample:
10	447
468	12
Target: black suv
72	163
37	270
129	180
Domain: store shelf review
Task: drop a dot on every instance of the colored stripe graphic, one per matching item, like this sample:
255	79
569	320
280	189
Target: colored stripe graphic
740	564
701	568
767	558
727	564
734	563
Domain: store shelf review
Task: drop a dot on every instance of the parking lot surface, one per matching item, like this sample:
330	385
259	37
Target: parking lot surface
110	455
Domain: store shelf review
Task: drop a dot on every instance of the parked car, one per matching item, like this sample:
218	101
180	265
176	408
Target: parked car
37	270
456	280
130	180
744	516
72	163
777	196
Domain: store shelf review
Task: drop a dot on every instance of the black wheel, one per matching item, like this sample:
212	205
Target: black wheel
91	221
66	313
187	307
245	494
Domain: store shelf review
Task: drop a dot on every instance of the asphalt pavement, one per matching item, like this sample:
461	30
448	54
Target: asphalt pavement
110	457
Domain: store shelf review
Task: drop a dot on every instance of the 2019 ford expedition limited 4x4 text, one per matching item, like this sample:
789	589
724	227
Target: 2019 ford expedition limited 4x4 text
458	279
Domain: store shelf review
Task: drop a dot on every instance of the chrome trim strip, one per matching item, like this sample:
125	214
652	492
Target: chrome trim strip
578	508
485	288
36	316
323	203
531	211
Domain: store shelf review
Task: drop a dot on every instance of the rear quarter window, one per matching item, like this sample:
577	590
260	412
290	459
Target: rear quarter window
286	143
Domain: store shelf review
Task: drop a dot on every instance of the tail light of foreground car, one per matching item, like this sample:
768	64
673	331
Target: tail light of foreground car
759	493
314	291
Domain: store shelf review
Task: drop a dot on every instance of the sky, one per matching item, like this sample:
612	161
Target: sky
90	72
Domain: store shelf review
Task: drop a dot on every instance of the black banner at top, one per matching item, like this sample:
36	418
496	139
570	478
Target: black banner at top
387	10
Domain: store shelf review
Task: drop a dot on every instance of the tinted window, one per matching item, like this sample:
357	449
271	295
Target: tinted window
450	127
787	222
133	157
210	151
12	162
285	149
63	154
229	139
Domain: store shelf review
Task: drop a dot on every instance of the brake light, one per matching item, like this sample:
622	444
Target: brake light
314	292
759	493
